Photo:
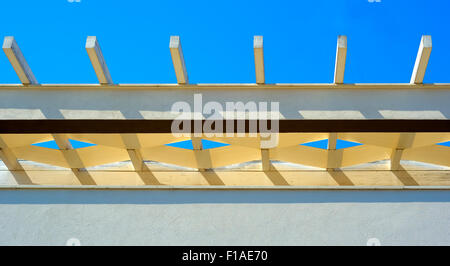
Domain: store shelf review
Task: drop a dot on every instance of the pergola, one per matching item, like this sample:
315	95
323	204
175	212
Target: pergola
399	132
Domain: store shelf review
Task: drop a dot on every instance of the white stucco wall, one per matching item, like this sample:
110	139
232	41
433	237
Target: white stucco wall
307	103
189	217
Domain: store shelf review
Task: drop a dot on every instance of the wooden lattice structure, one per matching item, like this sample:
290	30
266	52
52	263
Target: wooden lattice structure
402	131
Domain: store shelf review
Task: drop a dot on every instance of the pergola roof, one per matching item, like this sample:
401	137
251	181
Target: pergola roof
402	130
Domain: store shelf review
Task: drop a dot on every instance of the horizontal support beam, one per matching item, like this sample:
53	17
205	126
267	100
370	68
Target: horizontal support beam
236	86
62	126
200	187
252	179
18	61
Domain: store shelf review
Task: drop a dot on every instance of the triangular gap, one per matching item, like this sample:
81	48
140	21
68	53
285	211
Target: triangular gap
207	144
185	144
76	144
343	144
51	144
319	144
323	144
446	143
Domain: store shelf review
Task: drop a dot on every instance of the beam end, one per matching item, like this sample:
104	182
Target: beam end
98	61
423	55
178	60
341	56
259	59
17	60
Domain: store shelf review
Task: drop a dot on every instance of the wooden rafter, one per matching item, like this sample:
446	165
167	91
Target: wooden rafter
73	159
405	141
341	55
178	60
391	131
98	61
149	146
423	55
17	60
334	156
133	147
259	59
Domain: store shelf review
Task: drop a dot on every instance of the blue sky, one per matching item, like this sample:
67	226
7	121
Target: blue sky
299	39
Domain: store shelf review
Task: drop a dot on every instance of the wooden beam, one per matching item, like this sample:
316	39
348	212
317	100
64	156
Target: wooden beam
259	59
332	141
73	159
423	55
223	87
265	147
12	163
197	143
203	157
434	154
405	141
133	146
334	158
8	157
341	55
18	61
70	154
314	179
79	126
98	61
178	60
265	159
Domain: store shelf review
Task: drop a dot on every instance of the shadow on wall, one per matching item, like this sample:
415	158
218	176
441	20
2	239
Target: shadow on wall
45	196
69	103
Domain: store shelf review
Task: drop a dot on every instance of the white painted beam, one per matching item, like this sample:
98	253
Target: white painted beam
334	159
341	55
197	143
98	61
259	59
266	144
73	159
178	60
405	141
197	146
203	157
133	147
71	155
423	55
18	61
265	159
8	157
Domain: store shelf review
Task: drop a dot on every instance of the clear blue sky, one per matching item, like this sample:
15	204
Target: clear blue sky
299	39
